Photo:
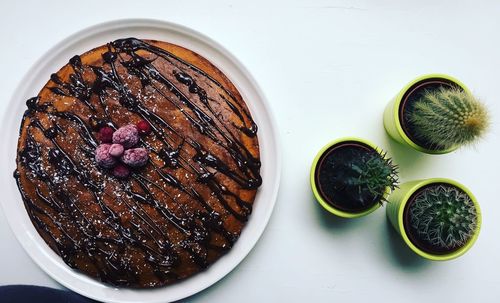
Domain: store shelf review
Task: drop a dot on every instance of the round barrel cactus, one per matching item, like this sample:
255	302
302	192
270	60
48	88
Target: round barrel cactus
443	216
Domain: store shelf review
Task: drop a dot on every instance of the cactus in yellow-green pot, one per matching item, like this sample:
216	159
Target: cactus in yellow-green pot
448	117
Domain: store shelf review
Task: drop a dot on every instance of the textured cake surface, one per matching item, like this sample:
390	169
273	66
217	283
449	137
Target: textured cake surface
173	217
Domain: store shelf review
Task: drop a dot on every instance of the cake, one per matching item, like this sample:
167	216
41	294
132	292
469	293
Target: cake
138	163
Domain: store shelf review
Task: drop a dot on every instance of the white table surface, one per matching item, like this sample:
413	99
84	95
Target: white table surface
328	68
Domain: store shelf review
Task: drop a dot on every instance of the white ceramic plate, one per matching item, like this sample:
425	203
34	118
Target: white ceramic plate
85	40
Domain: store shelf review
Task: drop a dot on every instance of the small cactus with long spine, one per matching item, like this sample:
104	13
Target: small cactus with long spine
447	118
366	176
443	216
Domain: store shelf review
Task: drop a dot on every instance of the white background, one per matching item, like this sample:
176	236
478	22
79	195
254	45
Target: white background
327	68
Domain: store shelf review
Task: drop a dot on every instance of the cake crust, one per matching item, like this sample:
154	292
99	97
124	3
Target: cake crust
168	220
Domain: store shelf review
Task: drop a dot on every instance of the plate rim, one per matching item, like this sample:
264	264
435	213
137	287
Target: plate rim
36	253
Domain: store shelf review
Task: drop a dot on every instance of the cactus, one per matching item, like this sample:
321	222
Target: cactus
443	216
365	177
445	118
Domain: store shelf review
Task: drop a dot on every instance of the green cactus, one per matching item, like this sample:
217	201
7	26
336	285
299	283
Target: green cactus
446	118
443	216
365	177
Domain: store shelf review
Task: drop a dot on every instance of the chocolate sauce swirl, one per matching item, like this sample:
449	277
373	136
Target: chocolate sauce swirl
168	220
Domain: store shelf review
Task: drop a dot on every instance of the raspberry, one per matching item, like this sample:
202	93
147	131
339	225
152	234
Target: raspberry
135	157
127	136
116	150
143	127
105	134
121	171
102	156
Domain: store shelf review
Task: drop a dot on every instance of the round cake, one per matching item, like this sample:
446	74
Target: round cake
138	163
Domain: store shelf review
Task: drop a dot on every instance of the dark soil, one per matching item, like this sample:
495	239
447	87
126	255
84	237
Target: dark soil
331	171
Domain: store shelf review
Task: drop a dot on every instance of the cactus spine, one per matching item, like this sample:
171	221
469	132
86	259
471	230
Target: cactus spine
446	118
443	216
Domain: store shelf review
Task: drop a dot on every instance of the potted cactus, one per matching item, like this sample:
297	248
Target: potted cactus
439	219
435	114
351	177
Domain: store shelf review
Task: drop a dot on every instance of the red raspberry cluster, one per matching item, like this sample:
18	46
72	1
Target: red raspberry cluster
117	151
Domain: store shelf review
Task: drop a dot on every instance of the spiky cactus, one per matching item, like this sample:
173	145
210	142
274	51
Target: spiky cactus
445	118
365	177
443	216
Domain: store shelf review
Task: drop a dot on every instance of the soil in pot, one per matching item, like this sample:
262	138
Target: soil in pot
436	239
407	105
334	169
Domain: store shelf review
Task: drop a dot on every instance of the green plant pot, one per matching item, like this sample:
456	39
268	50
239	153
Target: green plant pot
392	117
329	207
395	213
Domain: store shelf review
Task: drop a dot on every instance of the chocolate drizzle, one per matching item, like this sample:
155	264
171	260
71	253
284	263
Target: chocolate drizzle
156	214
